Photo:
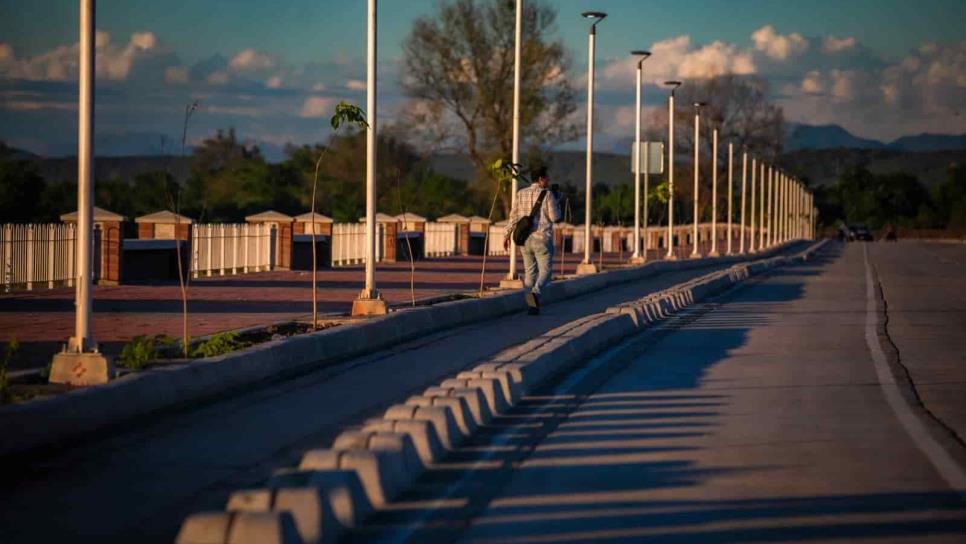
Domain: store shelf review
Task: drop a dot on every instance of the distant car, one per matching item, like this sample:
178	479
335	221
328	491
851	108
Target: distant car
859	233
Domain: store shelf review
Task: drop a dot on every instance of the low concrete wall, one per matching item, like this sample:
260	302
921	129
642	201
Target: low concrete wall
58	419
384	458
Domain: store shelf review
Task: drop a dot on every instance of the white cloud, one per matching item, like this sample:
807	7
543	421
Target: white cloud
678	58
316	106
112	61
812	83
219	77
778	46
355	85
175	75
832	44
248	60
274	82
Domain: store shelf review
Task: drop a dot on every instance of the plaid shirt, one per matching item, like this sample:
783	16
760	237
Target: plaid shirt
549	211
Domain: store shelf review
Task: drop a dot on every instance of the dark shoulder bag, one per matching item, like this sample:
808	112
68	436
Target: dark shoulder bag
524	225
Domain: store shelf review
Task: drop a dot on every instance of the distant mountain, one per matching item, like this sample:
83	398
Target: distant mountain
929	142
824	166
800	136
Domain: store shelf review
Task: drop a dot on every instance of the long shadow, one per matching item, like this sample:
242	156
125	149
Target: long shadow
588	467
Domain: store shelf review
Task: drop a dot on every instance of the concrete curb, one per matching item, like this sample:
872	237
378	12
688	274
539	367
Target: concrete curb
387	469
57	419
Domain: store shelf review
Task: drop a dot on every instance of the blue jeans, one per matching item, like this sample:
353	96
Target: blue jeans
537	257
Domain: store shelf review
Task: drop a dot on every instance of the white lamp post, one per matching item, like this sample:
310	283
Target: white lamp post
744	186
697	144
761	206
636	257
511	277
714	193
752	245
587	266
81	363
670	169
370	302
730	195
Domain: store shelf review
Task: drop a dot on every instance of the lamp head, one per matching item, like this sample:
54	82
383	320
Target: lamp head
642	54
593	14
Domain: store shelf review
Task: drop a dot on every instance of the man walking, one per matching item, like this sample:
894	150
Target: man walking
536	205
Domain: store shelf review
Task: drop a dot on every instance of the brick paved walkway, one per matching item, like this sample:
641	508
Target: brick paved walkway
43	320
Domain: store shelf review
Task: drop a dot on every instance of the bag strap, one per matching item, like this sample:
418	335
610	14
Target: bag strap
537	204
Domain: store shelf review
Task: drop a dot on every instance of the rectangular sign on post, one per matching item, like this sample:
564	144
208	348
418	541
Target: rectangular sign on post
654	153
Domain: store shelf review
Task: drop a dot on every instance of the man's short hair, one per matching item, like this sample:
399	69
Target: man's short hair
538	172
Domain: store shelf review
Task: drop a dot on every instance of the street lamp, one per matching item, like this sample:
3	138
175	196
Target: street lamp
714	193
670	168
697	122
587	266
511	279
744	187
754	224
730	195
370	302
636	257
81	363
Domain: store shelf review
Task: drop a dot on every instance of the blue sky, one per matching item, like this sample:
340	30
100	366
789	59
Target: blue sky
880	68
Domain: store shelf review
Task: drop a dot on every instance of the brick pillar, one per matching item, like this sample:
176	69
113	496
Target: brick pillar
389	242
283	243
111	247
146	231
463	238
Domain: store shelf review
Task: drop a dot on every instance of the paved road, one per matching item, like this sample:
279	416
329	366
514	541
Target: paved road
759	419
924	287
139	486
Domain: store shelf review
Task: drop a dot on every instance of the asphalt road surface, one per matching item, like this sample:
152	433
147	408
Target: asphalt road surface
139	486
775	413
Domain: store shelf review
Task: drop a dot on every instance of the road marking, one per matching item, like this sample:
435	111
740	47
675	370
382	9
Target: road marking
945	465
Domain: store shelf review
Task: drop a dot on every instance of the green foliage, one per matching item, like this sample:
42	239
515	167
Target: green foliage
876	200
137	353
21	191
349	114
218	344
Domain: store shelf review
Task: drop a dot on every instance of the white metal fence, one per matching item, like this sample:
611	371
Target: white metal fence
440	240
349	243
231	248
496	241
37	255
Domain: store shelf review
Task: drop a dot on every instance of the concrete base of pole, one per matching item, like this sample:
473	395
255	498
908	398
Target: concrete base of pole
714	253
638	260
671	257
695	255
81	368
507	283
362	307
585	269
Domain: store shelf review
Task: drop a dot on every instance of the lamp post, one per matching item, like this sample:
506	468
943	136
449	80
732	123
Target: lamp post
744	185
636	257
714	193
81	363
587	266
697	144
761	206
511	280
771	206
370	302
730	195
670	169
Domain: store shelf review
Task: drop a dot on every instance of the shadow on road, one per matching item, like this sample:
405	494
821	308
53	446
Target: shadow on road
588	467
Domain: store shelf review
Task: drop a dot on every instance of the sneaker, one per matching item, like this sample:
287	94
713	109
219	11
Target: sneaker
533	304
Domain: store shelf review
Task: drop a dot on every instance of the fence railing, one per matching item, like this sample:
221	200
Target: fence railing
496	241
231	248
349	244
440	240
37	255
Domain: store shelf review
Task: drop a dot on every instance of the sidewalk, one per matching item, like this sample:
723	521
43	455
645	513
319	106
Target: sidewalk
43	320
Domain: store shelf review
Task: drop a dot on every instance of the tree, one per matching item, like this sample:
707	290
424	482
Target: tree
459	76
21	189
